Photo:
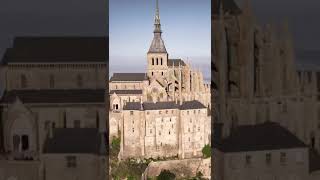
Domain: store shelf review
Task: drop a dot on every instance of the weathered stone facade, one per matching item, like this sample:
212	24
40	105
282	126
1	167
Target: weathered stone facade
48	86
257	79
163	112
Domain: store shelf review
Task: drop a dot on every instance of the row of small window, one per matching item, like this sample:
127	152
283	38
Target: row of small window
160	112
169	132
268	159
126	86
189	130
24	82
155	61
152	73
194	112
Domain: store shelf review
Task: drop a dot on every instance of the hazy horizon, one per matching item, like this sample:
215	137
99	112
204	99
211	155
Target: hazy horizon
186	35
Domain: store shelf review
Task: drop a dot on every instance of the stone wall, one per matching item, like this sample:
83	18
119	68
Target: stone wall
60	76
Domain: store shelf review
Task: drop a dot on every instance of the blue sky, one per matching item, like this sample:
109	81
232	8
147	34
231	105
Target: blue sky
186	29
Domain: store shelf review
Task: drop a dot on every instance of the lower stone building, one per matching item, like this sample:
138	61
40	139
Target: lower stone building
67	157
264	151
164	129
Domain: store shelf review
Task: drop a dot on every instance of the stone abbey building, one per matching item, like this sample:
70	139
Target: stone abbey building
52	111
163	112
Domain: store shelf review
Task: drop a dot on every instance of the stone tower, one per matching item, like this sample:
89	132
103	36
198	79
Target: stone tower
157	55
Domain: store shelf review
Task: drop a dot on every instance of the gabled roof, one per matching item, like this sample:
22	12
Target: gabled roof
76	140
160	105
164	105
229	6
176	62
192	105
132	106
119	92
55	96
266	136
57	50
128	77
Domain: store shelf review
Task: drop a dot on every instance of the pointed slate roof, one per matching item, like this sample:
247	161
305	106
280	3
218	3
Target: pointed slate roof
157	44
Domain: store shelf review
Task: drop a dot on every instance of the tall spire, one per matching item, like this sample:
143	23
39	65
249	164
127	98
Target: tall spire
157	45
157	24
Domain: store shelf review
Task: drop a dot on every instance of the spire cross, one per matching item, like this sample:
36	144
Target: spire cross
157	17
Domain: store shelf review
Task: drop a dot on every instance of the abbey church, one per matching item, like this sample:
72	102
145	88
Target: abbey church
163	112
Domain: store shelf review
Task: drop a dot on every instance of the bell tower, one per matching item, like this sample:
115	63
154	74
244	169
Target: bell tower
157	55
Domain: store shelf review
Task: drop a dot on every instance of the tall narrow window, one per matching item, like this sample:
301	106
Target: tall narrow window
79	81
51	81
152	61
268	158
157	61
77	123
161	61
64	119
25	142
97	119
23	81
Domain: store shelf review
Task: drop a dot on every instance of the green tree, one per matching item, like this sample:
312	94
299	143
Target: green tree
166	175
115	147
206	151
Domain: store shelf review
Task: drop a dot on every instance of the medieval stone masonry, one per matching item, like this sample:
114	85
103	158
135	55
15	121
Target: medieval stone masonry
52	112
267	108
164	112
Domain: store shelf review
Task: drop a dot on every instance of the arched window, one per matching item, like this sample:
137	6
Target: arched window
161	61
23	81
79	81
51	81
157	61
152	61
152	73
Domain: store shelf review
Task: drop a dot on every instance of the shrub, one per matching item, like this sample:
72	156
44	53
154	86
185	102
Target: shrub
166	175
206	151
